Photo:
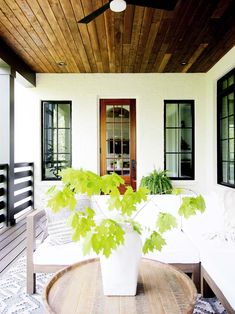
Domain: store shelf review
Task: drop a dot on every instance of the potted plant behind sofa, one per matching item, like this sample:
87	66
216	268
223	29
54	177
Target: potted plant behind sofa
157	182
114	238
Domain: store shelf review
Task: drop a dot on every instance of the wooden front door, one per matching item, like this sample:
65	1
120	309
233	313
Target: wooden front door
118	138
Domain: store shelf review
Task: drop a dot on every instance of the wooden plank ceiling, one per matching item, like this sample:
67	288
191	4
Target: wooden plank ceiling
46	35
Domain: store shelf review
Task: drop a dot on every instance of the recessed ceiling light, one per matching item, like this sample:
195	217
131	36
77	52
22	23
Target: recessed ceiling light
61	64
183	62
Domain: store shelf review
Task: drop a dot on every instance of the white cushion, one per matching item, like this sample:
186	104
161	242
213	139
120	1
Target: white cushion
65	254
219	264
179	249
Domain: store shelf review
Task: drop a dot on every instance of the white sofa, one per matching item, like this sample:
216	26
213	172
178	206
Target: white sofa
213	234
196	246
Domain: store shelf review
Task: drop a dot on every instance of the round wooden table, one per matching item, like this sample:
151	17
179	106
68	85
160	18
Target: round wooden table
78	289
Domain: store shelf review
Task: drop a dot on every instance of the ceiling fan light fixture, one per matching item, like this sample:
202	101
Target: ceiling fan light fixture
118	5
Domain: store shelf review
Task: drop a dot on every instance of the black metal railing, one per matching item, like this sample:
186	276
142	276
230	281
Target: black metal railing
3	193
23	191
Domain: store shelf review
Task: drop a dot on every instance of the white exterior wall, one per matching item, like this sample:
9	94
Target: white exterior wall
226	64
150	91
85	90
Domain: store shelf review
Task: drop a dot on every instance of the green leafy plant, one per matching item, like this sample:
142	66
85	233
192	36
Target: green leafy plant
103	235
157	182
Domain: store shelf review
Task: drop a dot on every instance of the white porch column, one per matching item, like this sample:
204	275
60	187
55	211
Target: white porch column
6	115
7	77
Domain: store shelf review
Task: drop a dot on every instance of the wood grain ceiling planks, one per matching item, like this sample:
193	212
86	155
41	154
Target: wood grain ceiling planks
44	33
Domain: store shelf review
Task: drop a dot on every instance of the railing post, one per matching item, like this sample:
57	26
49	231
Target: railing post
33	185
3	193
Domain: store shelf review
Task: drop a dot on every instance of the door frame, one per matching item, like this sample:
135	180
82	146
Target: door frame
102	137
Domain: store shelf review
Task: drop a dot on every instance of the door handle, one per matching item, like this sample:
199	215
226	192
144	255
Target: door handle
133	168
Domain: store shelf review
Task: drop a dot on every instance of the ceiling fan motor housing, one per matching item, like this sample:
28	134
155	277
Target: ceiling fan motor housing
117	5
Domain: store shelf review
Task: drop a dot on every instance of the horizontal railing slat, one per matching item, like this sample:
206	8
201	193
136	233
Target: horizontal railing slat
22	185
2	218
2	191
22	207
3	166
2	178
23	174
23	164
21	196
2	204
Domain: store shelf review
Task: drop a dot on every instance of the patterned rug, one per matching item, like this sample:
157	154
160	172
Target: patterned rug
15	300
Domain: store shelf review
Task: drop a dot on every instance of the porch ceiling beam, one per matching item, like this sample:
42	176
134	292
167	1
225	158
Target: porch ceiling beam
16	63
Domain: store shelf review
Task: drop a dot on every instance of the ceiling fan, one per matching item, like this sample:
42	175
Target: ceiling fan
120	5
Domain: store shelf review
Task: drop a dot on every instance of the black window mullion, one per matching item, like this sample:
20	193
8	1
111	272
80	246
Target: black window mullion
54	166
220	129
228	143
179	148
57	138
178	153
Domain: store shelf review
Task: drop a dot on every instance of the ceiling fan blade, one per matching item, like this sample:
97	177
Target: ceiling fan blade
94	14
156	4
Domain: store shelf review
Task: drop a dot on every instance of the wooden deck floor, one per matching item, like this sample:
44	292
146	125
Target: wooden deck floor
12	243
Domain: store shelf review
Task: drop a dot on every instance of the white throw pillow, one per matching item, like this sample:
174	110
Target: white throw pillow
58	227
59	232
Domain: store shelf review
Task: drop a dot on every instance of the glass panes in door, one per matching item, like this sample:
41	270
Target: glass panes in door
118	139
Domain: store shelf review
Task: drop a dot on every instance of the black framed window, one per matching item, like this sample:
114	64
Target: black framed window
179	139
225	130
56	138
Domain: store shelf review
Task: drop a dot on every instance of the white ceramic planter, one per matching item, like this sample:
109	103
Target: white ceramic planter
120	270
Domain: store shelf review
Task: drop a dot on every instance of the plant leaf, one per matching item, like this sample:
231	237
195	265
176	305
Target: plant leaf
87	245
131	199
190	205
135	225
107	237
62	199
154	242
82	223
114	201
157	182
165	222
110	182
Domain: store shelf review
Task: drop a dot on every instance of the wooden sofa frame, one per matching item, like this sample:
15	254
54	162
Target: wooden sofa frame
36	226
210	289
